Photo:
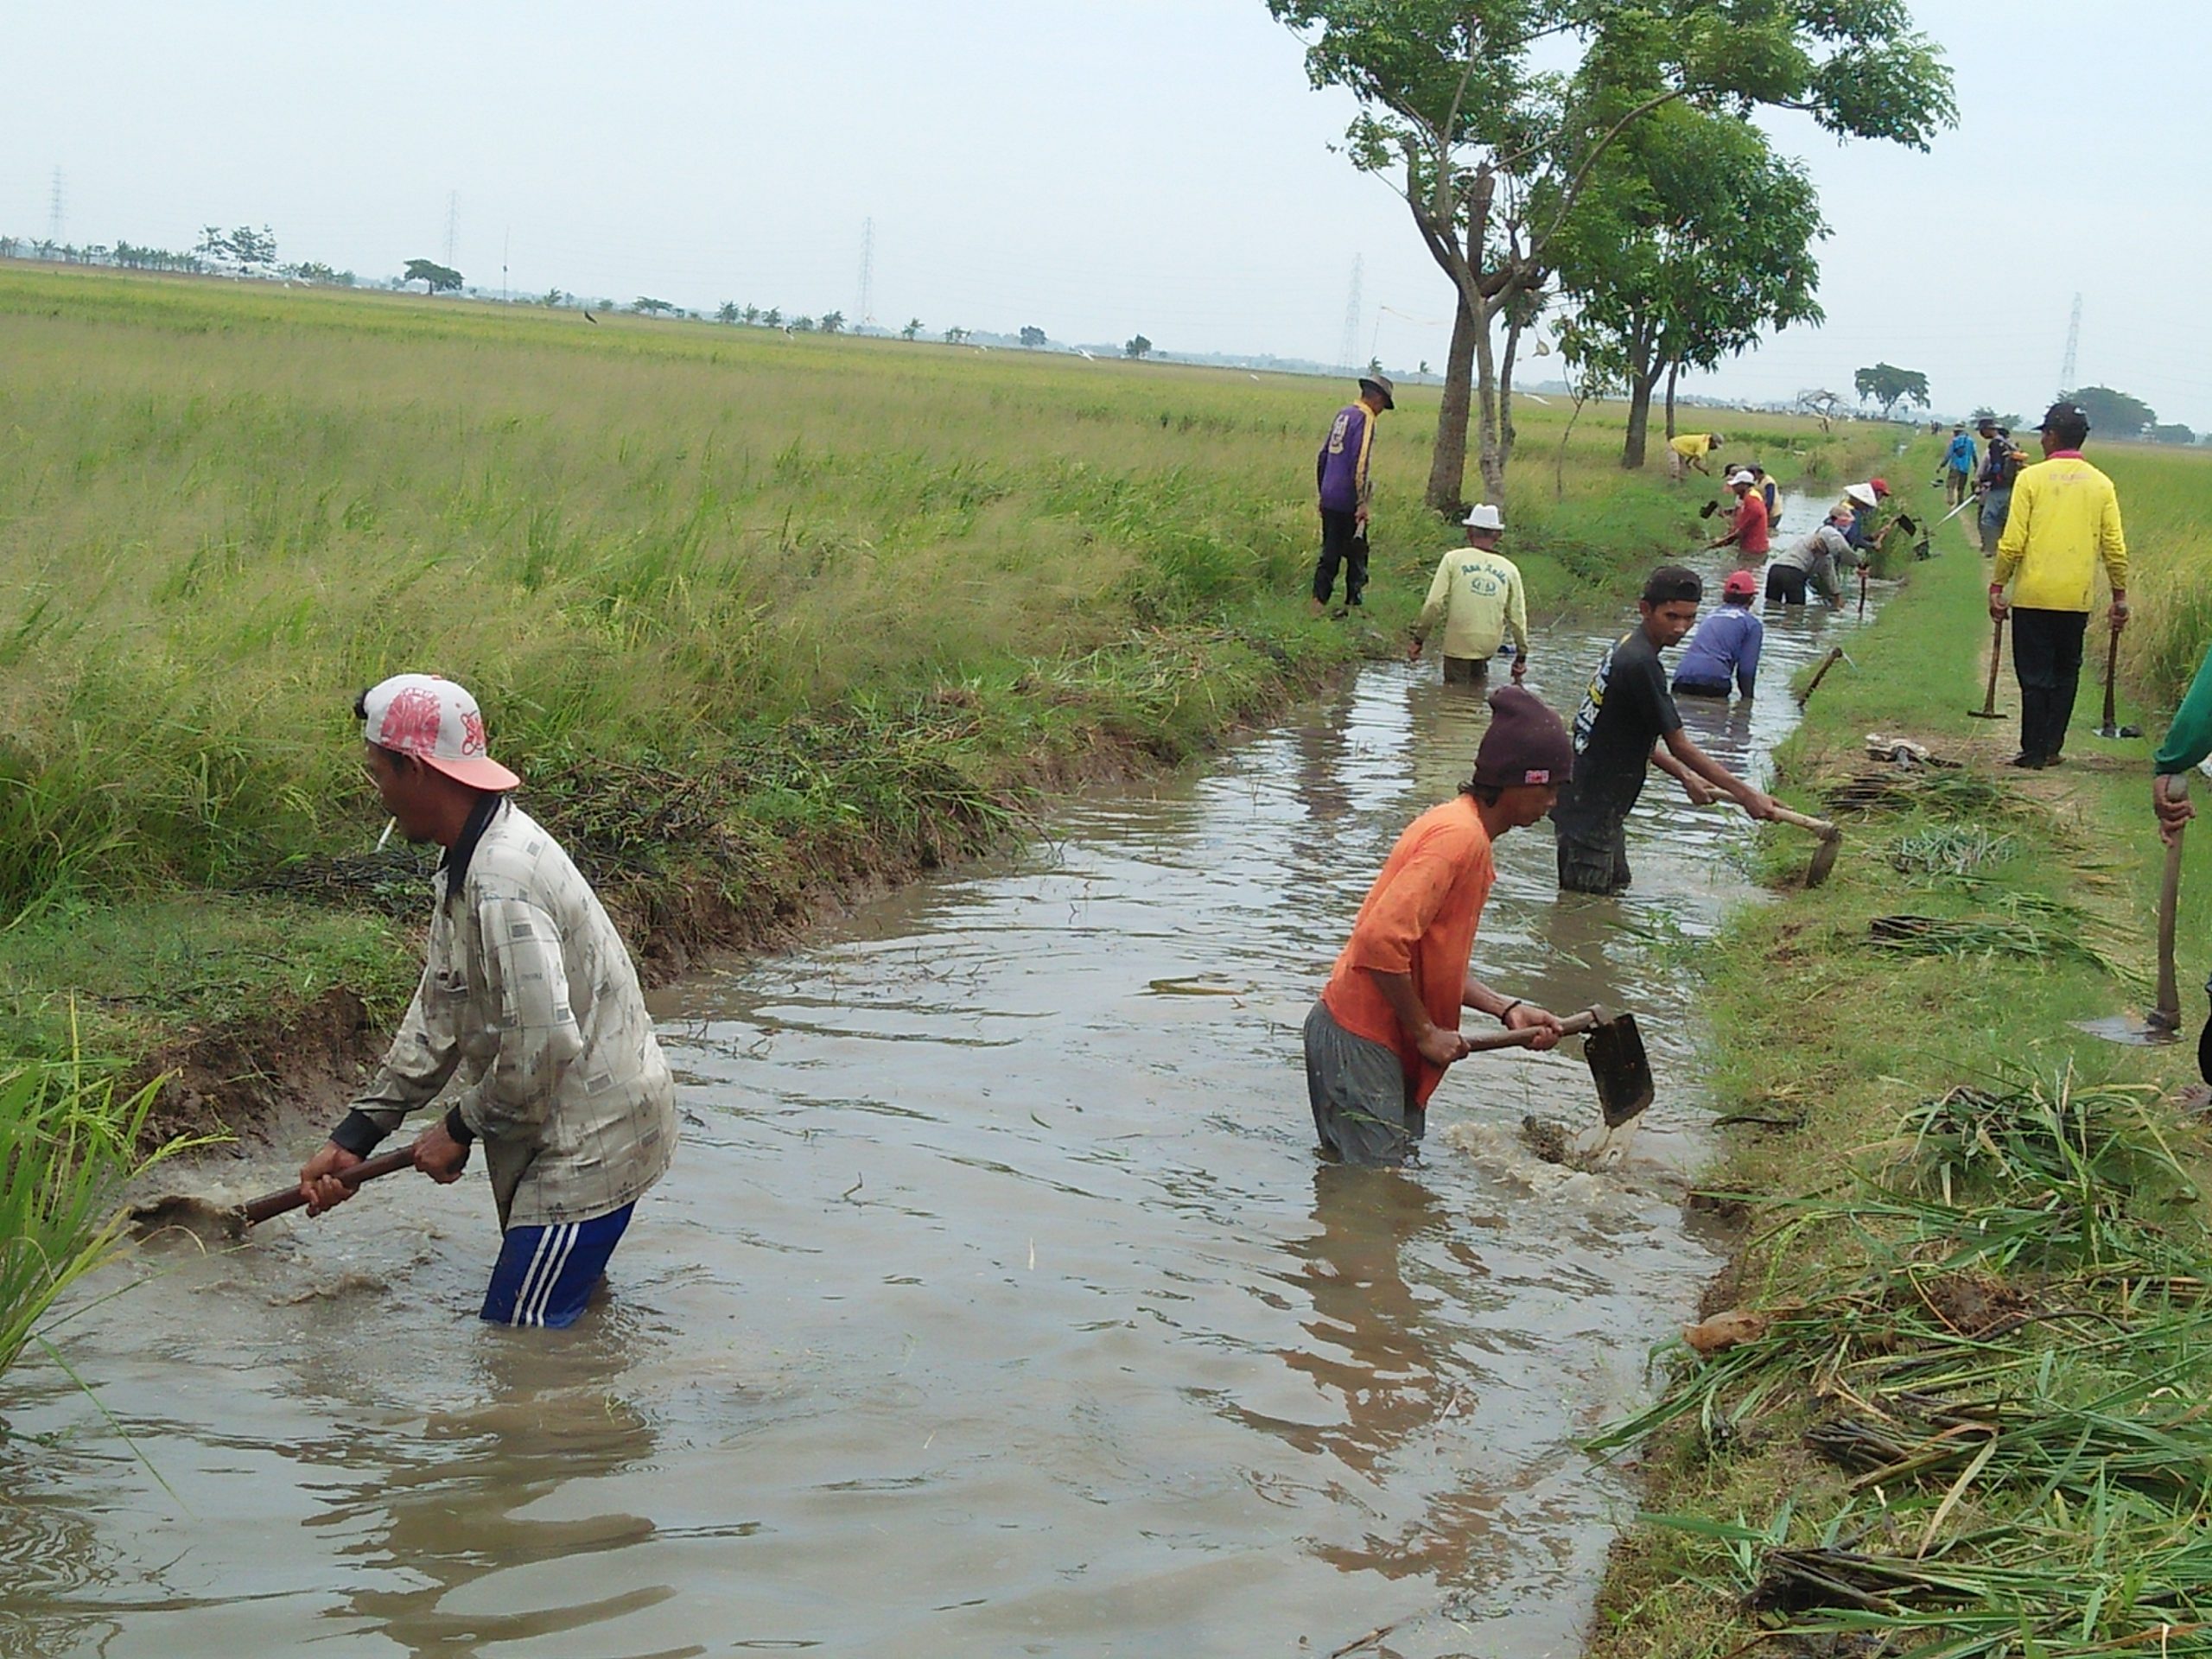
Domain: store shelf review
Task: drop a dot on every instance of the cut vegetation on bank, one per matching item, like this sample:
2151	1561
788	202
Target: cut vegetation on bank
754	617
1952	1398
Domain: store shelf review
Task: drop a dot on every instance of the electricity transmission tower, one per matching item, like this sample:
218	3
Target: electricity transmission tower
453	223
1349	345
2073	344
862	311
54	219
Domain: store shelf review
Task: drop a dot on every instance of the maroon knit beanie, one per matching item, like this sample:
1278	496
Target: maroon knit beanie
1526	743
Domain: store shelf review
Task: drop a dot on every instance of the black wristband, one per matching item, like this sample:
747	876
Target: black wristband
358	1134
459	1130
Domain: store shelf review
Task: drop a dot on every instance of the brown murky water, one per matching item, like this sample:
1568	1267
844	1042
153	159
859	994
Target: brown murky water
997	1304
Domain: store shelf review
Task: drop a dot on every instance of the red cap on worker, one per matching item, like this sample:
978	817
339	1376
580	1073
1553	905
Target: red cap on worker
1879	486
437	723
1525	744
1740	583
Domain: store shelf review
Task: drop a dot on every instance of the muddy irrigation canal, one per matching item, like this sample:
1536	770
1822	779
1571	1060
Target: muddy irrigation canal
997	1305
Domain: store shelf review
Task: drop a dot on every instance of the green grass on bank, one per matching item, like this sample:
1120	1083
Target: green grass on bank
1972	1423
748	611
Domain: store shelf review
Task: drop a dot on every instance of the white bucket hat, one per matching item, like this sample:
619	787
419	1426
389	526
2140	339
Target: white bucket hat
1484	516
437	723
1741	478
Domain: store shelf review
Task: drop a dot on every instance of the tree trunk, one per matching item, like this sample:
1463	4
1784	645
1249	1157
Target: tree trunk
1674	372
1641	387
1447	464
1505	432
1643	377
1490	447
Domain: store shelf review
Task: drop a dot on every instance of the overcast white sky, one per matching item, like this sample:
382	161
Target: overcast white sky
1098	168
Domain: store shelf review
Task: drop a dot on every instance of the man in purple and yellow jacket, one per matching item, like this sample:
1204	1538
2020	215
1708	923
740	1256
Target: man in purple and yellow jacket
1340	475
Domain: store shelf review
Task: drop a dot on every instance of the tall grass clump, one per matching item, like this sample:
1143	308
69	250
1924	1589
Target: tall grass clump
2165	502
69	1141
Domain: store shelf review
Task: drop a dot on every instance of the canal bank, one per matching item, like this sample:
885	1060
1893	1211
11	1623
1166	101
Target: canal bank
1973	1243
997	1302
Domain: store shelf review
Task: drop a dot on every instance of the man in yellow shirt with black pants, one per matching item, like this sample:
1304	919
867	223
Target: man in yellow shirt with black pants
1476	596
2065	517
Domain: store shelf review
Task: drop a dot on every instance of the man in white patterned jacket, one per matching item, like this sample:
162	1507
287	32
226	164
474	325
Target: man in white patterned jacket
529	1005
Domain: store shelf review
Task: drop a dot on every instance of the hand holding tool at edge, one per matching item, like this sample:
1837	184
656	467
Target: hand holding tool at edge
1998	604
2119	611
2169	802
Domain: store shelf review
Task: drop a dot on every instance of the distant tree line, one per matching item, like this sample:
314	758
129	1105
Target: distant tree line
244	251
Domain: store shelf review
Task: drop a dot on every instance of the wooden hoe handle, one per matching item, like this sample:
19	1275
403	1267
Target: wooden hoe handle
276	1203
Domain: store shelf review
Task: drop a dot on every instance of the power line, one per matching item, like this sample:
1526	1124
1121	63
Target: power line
862	307
2073	344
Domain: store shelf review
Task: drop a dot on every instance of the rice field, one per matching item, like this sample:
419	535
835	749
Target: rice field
866	588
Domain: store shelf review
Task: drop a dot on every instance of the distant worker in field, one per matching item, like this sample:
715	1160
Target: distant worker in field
1868	523
1960	461
1769	492
1725	646
2000	471
1341	476
1627	723
1747	531
2064	520
1476	595
528	999
1687	452
1387	1024
1814	561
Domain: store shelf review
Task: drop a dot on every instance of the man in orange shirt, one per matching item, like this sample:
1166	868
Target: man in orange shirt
1748	529
1387	1021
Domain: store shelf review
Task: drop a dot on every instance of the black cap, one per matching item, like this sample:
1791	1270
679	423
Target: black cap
2064	413
1525	744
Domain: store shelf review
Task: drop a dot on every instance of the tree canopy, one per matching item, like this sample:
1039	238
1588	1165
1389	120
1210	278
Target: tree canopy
1691	239
1492	152
2113	414
435	278
1889	385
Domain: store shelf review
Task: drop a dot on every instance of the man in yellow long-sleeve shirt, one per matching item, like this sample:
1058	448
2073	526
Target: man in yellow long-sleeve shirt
2065	517
1477	596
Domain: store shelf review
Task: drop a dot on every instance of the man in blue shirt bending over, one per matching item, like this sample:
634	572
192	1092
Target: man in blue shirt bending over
1727	643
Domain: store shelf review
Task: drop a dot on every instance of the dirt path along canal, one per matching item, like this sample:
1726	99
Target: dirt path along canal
997	1305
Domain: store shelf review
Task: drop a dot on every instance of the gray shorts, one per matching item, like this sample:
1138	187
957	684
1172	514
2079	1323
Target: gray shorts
1364	1107
1465	670
1594	860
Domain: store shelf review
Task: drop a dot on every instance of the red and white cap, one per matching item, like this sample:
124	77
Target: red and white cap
437	723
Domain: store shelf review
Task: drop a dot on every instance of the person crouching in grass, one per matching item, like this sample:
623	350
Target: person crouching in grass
1387	1024
528	1001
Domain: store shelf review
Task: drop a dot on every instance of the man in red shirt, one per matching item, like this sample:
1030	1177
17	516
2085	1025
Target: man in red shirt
1747	531
1388	1022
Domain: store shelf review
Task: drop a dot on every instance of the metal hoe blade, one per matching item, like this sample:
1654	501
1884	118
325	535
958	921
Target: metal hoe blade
1619	1068
2146	1032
